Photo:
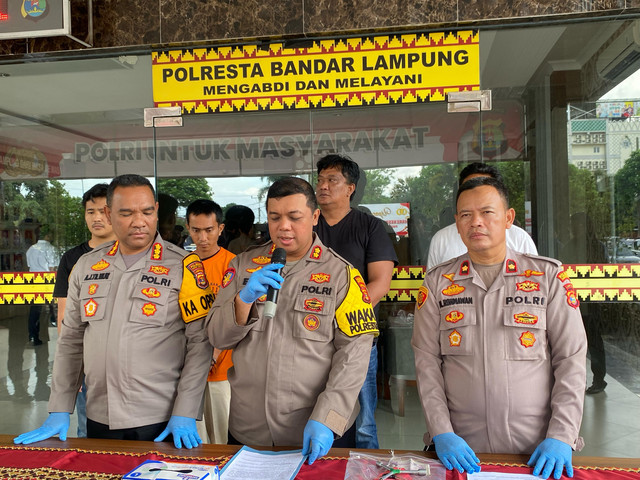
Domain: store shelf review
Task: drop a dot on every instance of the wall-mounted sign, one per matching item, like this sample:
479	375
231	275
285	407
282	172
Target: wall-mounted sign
623	109
396	215
375	70
34	18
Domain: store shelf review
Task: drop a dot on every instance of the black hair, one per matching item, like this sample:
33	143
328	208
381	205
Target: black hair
479	168
344	163
128	180
203	206
239	217
99	190
286	186
488	181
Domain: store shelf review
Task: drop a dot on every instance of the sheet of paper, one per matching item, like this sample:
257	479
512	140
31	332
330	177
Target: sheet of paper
501	476
249	464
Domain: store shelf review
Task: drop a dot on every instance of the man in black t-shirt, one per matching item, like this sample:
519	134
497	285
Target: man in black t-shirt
93	201
362	240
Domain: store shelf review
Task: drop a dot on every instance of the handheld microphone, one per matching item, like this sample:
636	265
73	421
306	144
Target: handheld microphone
279	256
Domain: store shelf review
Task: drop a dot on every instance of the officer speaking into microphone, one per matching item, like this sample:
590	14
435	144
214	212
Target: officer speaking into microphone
298	365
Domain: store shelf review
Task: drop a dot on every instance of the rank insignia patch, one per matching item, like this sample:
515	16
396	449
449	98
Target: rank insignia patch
464	268
531	273
261	260
90	308
527	339
273	247
454	316
311	322
423	294
313	305
316	253
449	276
113	250
159	269
228	276
320	277
101	265
156	252
528	286
151	292
525	318
453	289
455	339
93	288
149	309
511	266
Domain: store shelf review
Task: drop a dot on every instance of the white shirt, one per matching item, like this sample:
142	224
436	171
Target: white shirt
41	257
447	244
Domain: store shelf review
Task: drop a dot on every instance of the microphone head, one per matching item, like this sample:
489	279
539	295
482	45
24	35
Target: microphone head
279	256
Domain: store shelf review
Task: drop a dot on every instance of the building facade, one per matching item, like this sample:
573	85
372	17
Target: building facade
73	110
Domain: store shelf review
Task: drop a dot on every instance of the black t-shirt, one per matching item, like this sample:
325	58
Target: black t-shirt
359	238
67	262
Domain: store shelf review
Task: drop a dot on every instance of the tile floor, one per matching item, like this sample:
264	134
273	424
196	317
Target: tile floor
610	427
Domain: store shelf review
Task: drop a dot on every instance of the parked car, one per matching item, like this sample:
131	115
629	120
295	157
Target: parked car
189	246
623	254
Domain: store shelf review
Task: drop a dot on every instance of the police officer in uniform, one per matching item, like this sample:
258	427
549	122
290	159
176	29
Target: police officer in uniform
499	345
296	376
134	324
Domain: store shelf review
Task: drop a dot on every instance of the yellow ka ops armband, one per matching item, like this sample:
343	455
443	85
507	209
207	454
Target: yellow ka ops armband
355	314
195	296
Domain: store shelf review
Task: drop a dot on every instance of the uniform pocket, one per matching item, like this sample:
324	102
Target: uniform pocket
93	300
457	330
149	304
313	318
525	333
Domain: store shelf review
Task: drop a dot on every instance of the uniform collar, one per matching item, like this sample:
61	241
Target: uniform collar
156	252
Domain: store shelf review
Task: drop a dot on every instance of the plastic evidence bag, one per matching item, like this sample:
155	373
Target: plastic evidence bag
365	466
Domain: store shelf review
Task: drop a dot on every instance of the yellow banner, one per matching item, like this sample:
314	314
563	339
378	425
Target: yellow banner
330	73
592	282
26	288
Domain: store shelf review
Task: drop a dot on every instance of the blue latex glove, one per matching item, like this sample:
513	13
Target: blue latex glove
57	423
454	452
260	281
183	430
554	455
317	440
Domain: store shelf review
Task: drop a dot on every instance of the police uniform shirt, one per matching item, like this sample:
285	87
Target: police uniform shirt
138	334
309	361
504	366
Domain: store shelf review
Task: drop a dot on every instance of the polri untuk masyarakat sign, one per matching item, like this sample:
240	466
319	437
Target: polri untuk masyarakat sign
375	70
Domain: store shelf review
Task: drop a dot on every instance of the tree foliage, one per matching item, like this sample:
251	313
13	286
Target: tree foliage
627	196
44	203
585	197
184	189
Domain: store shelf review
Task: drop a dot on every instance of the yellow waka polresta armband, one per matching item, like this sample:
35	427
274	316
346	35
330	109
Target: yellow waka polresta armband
355	314
195	296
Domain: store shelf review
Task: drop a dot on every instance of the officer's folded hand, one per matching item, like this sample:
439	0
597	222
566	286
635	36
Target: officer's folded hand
260	281
551	456
57	423
183	430
317	440
454	452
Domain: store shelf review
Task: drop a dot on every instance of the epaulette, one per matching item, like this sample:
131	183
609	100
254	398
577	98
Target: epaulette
446	262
